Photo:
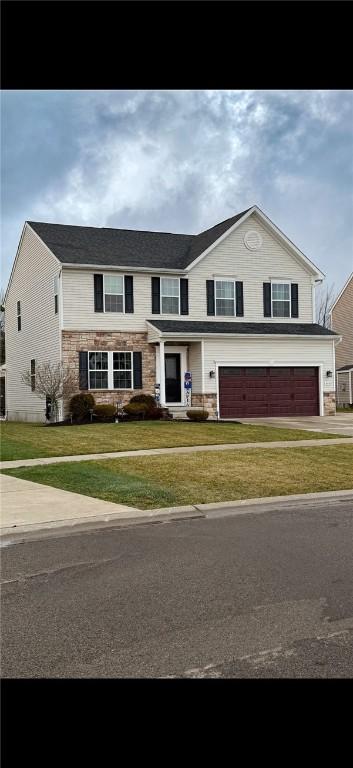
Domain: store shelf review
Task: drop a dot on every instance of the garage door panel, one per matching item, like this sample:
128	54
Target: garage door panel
260	391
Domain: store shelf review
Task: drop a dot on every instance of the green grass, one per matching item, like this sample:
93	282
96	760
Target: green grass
26	441
340	409
159	481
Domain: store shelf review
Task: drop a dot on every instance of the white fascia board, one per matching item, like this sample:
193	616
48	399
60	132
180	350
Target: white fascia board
341	293
196	336
126	269
220	239
281	236
348	370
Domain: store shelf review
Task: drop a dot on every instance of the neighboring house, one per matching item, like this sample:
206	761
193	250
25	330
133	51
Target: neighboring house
342	323
2	391
130	310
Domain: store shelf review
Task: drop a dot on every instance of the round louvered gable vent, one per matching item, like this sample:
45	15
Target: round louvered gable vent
253	240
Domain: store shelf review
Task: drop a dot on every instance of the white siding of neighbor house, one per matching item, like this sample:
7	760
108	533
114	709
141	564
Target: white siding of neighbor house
269	352
230	258
33	285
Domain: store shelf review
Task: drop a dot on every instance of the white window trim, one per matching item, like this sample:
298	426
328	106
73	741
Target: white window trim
111	387
225	280
114	294
282	282
166	296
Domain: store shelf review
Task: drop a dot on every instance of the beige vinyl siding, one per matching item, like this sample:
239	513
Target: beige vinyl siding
33	285
276	351
229	259
195	366
342	323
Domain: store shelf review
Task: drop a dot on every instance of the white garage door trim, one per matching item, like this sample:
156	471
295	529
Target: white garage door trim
270	364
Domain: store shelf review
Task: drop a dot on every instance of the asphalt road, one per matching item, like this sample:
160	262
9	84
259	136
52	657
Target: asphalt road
251	596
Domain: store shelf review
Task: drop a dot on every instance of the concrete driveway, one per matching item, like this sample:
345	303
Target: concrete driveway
341	424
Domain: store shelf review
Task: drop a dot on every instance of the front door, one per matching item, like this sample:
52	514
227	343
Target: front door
172	378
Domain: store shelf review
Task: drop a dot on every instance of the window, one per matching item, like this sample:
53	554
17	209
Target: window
110	370
33	375
56	295
280	297
98	370
113	293
170	295
19	321
122	370
225	297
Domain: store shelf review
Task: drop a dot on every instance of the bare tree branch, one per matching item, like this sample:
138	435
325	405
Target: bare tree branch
325	299
52	380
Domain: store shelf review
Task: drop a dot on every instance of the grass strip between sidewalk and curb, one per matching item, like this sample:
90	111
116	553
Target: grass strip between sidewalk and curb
201	478
31	441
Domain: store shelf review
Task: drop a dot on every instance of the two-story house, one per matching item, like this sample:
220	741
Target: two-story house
342	323
233	306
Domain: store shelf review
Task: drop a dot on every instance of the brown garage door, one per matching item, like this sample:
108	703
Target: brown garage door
268	392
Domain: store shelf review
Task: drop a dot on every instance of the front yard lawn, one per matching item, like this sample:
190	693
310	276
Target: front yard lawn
171	480
27	441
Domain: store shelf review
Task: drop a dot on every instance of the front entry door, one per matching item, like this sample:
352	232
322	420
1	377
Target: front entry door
172	378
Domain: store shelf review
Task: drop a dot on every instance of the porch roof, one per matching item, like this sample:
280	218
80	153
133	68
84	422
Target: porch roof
191	328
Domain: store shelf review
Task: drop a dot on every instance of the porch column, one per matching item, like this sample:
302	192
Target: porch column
161	373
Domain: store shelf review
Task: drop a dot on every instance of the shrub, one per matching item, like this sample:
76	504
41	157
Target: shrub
136	410
81	404
147	399
197	415
105	411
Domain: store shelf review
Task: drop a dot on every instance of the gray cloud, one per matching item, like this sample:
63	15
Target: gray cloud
182	161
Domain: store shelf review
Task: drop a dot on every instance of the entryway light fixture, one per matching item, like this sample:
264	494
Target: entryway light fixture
212	374
328	374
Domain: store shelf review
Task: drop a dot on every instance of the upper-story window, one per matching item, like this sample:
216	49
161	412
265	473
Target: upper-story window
56	294
280	299
225	297
19	316
170	296
113	293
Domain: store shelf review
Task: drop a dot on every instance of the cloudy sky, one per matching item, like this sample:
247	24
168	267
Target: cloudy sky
181	161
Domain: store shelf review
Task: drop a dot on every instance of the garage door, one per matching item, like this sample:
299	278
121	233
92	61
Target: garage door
268	392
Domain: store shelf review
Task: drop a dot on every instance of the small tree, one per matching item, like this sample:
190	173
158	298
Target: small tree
52	380
324	301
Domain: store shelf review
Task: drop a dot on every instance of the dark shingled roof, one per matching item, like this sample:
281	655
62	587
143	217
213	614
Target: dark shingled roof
127	247
190	326
348	367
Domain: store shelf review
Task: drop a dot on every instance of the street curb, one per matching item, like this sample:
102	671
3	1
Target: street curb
79	525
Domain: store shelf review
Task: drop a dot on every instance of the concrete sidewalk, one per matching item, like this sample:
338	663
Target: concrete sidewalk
180	449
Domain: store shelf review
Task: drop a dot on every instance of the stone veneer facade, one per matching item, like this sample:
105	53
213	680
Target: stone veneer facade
208	401
329	403
111	341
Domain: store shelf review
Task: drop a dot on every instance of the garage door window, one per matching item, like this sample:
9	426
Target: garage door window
280	300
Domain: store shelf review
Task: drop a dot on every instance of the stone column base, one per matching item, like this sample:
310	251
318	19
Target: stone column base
329	403
208	401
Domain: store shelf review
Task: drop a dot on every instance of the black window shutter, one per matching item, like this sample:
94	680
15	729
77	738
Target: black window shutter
156	295
294	300
267	300
137	366
239	299
210	297
98	293
129	293
184	297
83	370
